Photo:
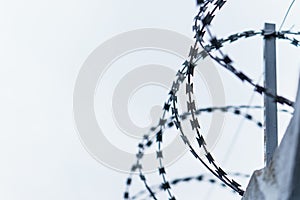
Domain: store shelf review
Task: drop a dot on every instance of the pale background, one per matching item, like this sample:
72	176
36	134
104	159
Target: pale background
42	47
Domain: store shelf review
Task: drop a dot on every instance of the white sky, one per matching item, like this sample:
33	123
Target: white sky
42	47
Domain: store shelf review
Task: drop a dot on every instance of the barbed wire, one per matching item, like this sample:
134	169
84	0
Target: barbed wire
191	106
236	110
188	179
233	109
189	66
205	18
218	171
146	143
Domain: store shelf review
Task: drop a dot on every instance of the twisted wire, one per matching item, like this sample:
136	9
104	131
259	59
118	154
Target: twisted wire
225	61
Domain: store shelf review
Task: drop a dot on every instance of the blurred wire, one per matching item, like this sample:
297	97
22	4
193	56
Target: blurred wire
236	134
286	14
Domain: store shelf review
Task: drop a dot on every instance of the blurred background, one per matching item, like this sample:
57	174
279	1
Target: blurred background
43	45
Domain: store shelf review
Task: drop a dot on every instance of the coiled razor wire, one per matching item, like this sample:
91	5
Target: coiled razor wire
236	110
205	17
199	178
147	142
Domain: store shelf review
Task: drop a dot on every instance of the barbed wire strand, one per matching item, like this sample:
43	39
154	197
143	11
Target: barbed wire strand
293	41
236	110
206	177
219	173
195	124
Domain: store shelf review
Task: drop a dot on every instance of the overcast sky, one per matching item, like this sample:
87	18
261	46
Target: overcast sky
43	45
